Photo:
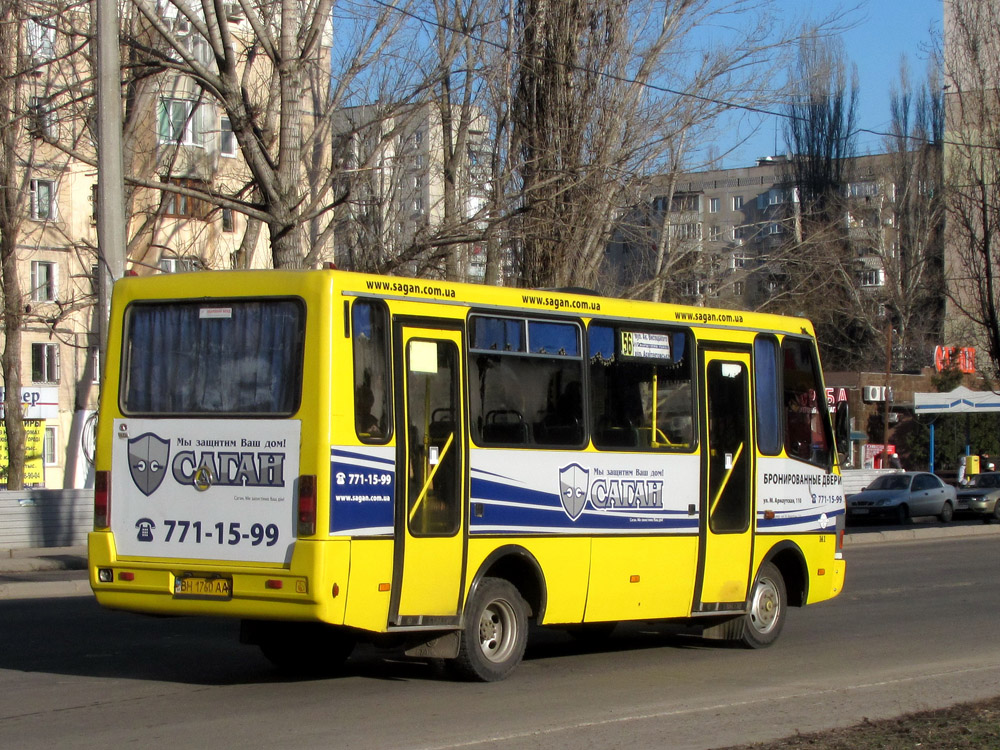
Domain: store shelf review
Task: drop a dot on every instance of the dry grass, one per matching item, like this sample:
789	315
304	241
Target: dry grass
970	725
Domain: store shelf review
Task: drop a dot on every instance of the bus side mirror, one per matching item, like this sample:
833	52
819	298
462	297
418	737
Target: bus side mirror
842	427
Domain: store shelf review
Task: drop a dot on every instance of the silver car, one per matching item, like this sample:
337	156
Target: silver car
901	496
981	497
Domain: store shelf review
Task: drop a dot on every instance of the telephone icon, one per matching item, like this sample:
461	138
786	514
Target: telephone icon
145	527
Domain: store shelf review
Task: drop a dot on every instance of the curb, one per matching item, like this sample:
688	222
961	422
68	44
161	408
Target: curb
45	589
920	534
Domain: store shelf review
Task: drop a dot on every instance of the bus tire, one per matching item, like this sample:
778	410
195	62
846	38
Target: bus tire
495	632
766	607
306	649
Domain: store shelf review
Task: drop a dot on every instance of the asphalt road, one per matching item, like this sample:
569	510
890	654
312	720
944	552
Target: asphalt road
916	628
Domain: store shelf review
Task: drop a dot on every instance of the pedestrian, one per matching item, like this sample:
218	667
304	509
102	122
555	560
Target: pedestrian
894	462
986	463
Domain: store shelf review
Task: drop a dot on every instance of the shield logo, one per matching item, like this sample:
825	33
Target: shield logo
574	483
147	461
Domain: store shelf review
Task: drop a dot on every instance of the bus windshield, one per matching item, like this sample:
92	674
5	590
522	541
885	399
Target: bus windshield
228	357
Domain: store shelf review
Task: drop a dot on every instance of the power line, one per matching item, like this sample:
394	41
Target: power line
725	104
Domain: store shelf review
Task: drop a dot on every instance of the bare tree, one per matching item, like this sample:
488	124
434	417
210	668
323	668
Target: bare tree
972	77
913	261
266	67
607	92
821	132
12	198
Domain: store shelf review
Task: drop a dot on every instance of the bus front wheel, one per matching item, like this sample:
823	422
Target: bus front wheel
495	632
765	615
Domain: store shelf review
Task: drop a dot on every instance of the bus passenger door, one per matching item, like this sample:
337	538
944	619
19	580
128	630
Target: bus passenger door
726	518
431	457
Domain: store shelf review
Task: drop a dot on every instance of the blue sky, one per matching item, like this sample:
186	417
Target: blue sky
881	31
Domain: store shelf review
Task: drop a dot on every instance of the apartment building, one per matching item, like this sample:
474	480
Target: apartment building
174	136
392	167
722	237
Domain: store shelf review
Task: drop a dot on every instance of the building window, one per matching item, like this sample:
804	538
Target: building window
418	205
862	189
691	231
737	202
49	451
177	265
739	288
41	40
713	205
739	260
227	220
41	119
694	288
45	363
43	200
177	122
714	233
227	141
873	277
43	281
184	206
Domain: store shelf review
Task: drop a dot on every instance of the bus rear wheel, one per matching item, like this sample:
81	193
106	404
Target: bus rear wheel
495	632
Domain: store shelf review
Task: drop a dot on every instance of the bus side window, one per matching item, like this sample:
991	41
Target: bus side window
807	435
769	405
636	402
526	382
370	334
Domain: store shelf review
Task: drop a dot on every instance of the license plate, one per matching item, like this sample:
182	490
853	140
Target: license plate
209	588
860	511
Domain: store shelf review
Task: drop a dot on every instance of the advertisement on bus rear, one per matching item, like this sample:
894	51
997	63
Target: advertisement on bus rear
205	489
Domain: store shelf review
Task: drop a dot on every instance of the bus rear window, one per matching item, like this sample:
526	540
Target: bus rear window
223	357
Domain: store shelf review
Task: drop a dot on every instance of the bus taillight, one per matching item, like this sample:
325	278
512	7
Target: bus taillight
307	505
102	499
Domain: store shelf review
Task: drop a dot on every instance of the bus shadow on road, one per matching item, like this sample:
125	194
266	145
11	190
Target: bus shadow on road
75	636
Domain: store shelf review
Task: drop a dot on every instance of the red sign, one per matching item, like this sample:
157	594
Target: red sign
835	395
964	357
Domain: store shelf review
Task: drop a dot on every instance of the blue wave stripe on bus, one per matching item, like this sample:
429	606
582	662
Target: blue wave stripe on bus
362	457
507	508
491	490
811	522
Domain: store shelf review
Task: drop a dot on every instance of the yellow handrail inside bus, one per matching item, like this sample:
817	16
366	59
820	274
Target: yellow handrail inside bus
725	481
430	478
653	441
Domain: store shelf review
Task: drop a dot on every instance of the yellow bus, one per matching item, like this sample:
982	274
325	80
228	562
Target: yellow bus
332	456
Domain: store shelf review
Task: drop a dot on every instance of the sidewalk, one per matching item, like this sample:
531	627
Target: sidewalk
39	572
43	572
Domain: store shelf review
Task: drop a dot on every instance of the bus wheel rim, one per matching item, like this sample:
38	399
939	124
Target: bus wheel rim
764	609
497	630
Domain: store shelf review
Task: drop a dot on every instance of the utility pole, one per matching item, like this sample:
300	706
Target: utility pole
110	212
110	169
885	396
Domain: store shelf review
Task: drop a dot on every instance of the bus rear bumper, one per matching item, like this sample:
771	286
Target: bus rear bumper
163	586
